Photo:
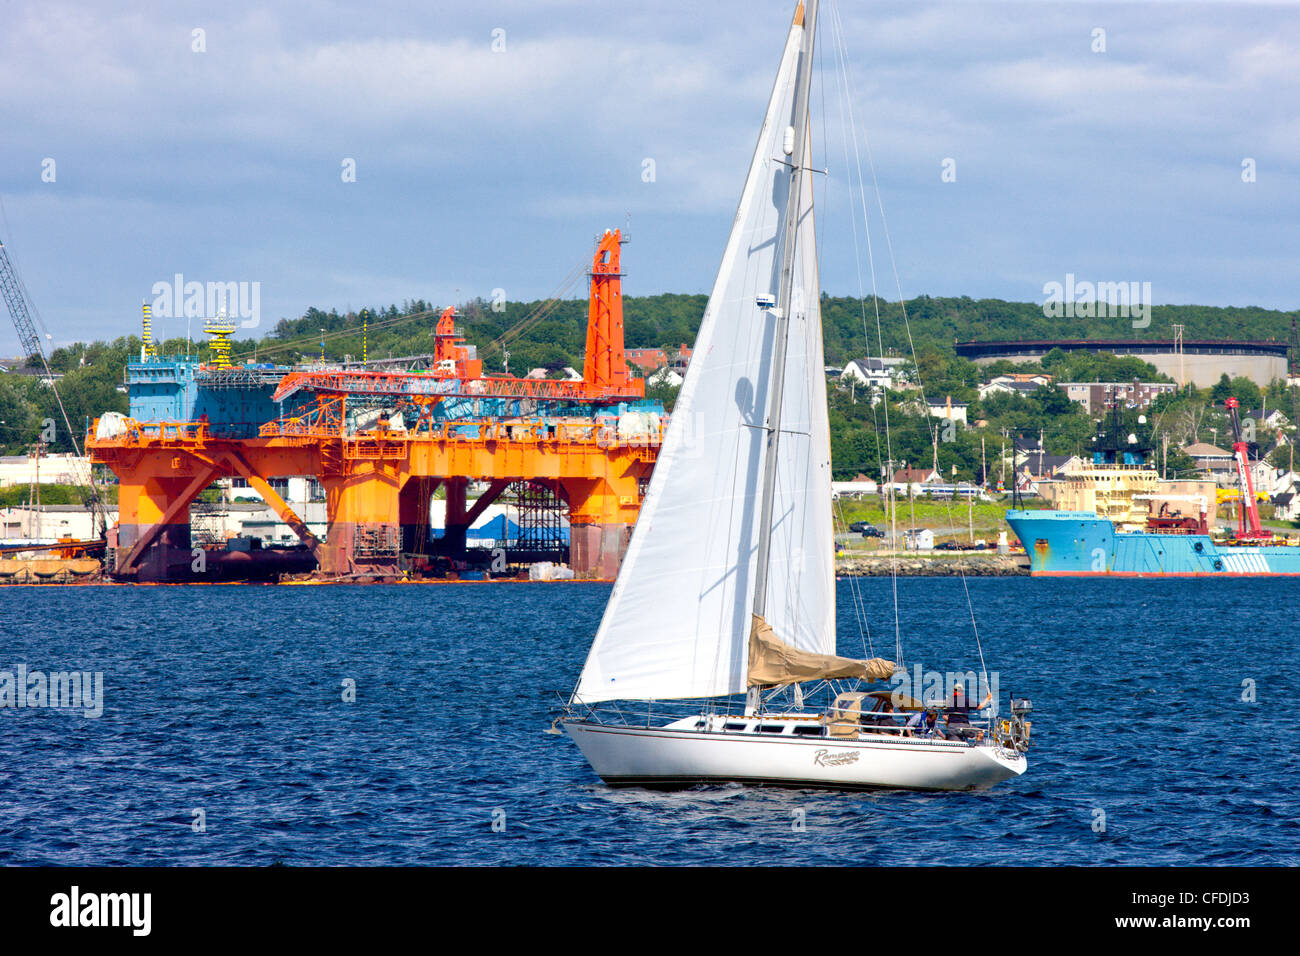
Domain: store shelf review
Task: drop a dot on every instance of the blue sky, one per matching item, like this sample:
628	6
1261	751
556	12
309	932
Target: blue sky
478	170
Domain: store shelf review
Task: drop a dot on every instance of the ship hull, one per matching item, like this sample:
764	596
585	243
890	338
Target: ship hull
1081	544
669	758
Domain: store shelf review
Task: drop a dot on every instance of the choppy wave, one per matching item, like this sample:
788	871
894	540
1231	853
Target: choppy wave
229	700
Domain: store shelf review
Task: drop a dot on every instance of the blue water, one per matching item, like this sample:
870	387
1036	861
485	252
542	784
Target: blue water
229	699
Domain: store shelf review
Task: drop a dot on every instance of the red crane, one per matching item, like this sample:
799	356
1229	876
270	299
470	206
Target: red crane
1249	512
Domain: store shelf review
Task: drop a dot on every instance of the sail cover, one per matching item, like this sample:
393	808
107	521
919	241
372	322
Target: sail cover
772	661
677	624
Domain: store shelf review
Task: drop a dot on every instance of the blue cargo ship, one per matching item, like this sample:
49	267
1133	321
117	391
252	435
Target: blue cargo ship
1082	543
1125	520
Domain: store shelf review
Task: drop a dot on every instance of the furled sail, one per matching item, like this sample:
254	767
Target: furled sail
678	621
773	662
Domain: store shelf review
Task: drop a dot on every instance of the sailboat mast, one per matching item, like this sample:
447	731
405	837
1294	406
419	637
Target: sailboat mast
803	82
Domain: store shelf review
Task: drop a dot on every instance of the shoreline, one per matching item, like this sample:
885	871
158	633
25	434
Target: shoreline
912	564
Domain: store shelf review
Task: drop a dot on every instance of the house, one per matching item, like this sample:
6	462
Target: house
915	476
1036	470
1286	496
1282	481
59	469
918	539
1015	383
1262	475
1095	396
878	372
1213	461
666	376
1274	419
947	409
1041	466
292	488
1286	506
647	360
859	486
913	481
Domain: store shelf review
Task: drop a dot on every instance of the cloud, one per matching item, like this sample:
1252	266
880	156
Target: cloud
479	169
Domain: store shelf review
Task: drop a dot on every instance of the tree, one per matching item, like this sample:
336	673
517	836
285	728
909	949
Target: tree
20	422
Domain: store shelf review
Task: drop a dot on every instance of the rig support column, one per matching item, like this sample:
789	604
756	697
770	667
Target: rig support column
601	515
413	513
153	537
364	533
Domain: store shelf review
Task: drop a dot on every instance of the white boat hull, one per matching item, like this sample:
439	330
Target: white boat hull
665	757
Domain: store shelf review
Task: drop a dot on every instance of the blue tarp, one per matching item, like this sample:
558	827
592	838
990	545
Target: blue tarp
499	528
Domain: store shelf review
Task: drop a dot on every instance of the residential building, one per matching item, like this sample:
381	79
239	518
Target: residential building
947	409
53	470
1014	383
878	372
1095	396
1214	462
647	360
859	486
918	539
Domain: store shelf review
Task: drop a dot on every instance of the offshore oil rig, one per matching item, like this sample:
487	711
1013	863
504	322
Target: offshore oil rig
381	443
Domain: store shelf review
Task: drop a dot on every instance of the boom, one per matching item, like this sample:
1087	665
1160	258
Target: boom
17	302
15	298
1249	510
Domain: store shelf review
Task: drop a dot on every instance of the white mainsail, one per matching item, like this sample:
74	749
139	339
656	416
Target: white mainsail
678	621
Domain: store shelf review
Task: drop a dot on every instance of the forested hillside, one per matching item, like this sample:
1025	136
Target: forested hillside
552	335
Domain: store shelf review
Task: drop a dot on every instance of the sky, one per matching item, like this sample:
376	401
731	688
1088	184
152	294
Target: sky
492	142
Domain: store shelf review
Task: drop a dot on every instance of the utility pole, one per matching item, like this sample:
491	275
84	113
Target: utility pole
970	514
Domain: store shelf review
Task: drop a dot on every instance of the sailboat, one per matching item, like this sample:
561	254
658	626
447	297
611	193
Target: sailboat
728	584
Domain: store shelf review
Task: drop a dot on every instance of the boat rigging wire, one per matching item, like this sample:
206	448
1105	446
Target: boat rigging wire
846	77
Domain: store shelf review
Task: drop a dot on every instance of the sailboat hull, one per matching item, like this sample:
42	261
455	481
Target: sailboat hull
667	758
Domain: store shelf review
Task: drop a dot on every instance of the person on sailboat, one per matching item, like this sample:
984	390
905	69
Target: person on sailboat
958	715
913	725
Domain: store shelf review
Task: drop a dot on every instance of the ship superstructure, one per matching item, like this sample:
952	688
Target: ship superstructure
1117	516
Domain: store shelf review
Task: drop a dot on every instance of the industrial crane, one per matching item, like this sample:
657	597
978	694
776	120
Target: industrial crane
1249	512
11	288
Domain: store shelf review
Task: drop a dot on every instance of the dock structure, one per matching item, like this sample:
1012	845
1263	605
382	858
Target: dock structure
382	444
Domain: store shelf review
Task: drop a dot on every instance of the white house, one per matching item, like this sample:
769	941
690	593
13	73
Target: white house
296	488
1017	383
880	372
53	470
947	409
1274	419
918	539
856	488
666	376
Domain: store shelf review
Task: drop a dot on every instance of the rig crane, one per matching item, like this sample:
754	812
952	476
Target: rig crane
1248	517
11	289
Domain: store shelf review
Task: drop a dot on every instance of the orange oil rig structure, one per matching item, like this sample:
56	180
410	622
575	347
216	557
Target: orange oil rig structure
381	443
